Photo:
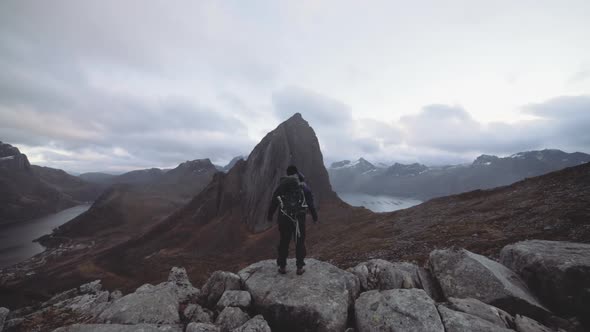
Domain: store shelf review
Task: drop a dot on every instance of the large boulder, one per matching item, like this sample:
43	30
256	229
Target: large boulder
382	275
118	328
148	304
455	321
183	287
463	274
231	318
234	298
256	324
318	300
484	311
558	272
152	304
196	313
396	310
216	285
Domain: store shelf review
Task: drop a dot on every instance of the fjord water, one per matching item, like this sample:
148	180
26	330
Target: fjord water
378	203
16	240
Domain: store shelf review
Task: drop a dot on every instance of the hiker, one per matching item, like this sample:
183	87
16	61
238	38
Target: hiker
293	198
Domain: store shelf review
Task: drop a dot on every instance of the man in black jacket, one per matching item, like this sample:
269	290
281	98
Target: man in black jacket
293	198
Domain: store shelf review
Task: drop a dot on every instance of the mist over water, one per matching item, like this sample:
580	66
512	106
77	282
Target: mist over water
378	203
16	240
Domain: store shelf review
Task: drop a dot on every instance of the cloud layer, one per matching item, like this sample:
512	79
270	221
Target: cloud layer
110	85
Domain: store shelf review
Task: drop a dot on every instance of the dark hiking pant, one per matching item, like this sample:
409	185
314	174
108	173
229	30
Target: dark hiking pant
287	231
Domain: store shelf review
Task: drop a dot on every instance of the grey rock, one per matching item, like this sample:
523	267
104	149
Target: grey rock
396	310
430	285
61	297
484	311
118	328
230	318
202	327
557	271
318	300
150	305
455	321
115	295
91	287
256	324
196	313
234	298
184	288
382	275
463	274
525	324
189	310
91	304
3	314
216	285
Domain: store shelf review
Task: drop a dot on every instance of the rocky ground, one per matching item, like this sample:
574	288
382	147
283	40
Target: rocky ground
535	286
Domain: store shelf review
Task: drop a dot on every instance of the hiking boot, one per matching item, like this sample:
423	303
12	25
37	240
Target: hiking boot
282	270
300	271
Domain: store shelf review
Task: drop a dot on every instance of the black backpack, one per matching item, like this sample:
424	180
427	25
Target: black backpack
293	202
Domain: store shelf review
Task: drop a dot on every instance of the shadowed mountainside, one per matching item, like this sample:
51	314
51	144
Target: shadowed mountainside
28	191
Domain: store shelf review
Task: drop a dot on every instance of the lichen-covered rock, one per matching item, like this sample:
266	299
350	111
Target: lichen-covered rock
396	310
3	314
91	287
231	318
381	274
463	274
202	327
557	271
216	285
234	298
525	324
256	324
455	321
318	300
485	311
150	305
118	328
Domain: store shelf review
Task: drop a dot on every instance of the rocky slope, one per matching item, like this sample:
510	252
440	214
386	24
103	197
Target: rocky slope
28	191
422	182
457	290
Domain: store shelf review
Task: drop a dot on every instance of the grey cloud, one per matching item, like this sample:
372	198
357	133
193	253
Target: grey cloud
314	107
340	135
562	123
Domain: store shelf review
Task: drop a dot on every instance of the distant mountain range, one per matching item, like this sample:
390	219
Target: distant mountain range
28	191
424	182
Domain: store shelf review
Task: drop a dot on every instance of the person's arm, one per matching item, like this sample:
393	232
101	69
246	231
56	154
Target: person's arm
274	204
310	203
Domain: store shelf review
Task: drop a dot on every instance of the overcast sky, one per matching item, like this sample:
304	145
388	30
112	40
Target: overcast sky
121	85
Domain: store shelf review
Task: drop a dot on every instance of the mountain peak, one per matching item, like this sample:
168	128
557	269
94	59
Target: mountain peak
11	158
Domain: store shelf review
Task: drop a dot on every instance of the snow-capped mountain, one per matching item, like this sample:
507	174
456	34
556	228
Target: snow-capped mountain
423	182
